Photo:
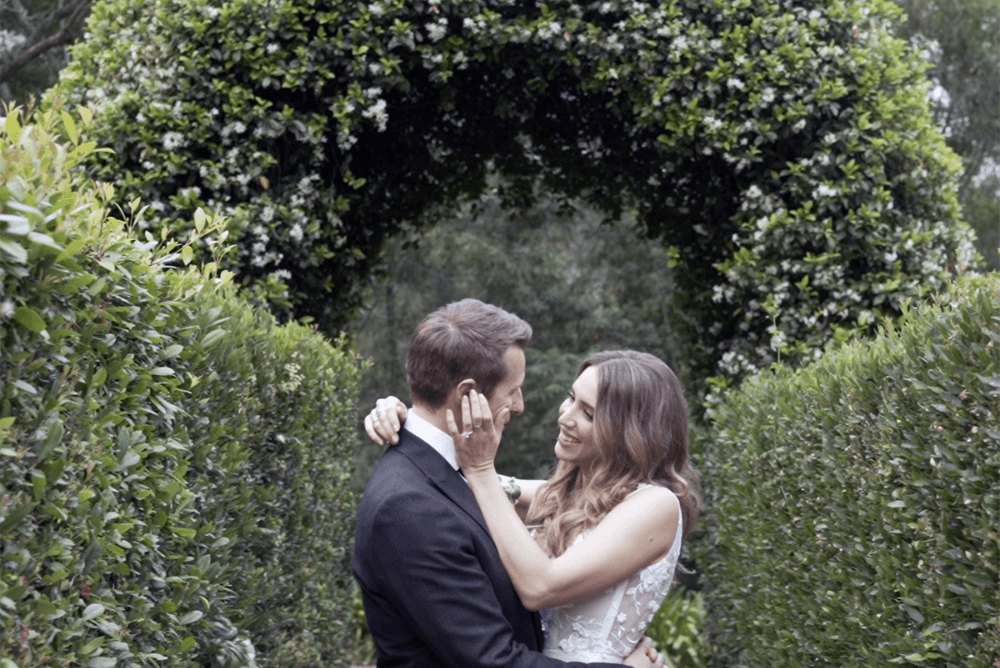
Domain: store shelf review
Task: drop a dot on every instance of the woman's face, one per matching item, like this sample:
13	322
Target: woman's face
577	442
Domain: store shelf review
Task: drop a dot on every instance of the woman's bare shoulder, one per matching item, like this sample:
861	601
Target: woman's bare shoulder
655	498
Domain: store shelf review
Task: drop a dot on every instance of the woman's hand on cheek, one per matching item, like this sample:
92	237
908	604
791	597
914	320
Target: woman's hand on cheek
477	442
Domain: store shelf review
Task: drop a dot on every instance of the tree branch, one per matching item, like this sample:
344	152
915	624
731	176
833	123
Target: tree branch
67	34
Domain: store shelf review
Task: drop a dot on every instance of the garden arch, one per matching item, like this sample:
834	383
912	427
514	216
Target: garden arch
781	148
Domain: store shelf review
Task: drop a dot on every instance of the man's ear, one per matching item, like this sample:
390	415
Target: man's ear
463	388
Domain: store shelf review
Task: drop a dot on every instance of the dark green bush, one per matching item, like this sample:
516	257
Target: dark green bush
782	149
173	465
855	503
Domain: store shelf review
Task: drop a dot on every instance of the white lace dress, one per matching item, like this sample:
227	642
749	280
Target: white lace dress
607	626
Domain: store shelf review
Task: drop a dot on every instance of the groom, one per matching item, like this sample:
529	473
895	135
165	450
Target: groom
434	589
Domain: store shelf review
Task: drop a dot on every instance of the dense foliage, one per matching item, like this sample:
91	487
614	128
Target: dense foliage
677	629
782	149
854	503
174	466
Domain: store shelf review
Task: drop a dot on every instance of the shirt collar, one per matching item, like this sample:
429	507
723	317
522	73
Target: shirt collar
434	437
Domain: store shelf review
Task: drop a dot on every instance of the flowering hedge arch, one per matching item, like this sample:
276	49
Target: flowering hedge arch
781	148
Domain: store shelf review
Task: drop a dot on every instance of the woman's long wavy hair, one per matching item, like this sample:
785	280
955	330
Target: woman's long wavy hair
640	423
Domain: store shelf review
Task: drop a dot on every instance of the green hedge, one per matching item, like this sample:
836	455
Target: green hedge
855	503
173	464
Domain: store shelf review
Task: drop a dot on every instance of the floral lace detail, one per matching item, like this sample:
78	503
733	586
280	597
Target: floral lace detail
609	625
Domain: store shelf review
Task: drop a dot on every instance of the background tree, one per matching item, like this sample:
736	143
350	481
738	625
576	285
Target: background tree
962	41
33	40
582	284
782	150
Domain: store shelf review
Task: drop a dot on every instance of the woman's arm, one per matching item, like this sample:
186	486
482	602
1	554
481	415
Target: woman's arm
636	533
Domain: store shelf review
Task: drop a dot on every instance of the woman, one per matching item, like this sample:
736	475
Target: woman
604	532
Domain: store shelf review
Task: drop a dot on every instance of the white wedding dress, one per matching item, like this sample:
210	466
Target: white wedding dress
608	626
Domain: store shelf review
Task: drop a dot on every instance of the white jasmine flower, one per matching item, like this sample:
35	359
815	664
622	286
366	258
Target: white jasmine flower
712	123
172	140
437	29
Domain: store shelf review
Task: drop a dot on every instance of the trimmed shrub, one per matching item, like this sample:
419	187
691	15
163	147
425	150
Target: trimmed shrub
677	629
854	503
782	149
173	464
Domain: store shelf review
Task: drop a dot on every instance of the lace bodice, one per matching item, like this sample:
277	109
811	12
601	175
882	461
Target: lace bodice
608	626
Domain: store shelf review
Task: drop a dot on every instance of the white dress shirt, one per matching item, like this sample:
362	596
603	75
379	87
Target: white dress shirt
434	437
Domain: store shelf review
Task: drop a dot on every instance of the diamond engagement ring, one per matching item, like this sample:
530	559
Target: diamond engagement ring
378	412
467	434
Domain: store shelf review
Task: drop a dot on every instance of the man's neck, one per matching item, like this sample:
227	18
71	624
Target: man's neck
434	417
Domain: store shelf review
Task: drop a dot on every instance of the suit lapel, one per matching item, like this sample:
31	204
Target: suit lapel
451	484
440	473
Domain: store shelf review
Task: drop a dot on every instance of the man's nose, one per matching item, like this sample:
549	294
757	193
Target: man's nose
518	406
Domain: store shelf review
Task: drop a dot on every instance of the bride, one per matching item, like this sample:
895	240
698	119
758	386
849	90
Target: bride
595	546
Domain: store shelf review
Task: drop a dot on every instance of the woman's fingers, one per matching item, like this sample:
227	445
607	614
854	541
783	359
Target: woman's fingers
452	427
476	409
376	432
384	421
466	414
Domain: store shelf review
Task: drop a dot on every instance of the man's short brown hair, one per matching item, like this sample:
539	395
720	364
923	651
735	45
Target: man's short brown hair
465	339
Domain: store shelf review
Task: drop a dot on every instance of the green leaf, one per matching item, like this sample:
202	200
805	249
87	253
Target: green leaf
91	611
97	287
72	248
70	125
213	336
15	250
102	662
29	318
13	126
26	387
192	617
38	483
171	351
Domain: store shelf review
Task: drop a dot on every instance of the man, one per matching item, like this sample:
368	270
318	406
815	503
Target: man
434	589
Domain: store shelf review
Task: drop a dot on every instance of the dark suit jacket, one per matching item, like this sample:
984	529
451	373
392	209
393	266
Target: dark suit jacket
434	589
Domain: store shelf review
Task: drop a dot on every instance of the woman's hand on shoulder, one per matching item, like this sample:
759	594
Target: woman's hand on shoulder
384	421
